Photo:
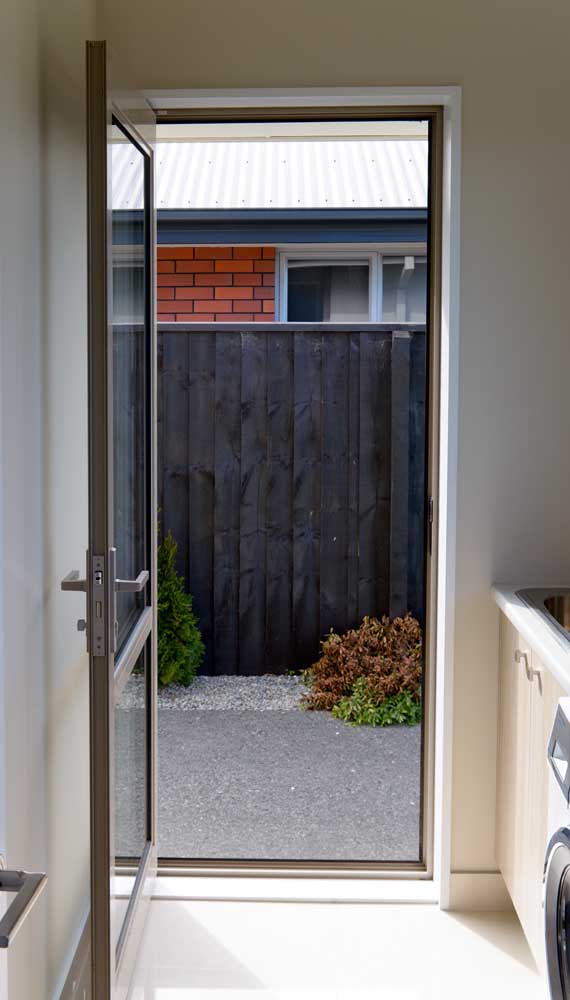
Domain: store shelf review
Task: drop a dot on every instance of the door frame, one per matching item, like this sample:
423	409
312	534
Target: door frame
101	112
443	107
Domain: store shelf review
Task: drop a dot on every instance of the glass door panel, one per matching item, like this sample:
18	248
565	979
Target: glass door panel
130	373
121	564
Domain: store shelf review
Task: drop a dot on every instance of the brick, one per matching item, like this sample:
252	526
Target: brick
194	293
249	306
268	306
247	318
167	318
269	253
264	265
265	317
247	253
269	279
175	279
205	305
175	253
247	279
263	293
234	293
162	307
165	266
203	317
184	318
225	318
235	265
215	279
213	253
192	266
165	293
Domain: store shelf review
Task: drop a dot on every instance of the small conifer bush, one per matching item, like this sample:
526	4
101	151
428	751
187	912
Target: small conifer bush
180	646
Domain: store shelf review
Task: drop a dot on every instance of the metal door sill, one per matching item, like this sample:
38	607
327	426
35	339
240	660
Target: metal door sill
193	885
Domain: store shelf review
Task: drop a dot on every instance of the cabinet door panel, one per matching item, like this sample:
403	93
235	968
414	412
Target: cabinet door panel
545	692
513	761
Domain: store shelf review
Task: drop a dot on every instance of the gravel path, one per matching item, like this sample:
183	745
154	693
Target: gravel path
268	693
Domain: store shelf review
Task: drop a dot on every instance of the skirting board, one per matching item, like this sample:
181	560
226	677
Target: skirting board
478	891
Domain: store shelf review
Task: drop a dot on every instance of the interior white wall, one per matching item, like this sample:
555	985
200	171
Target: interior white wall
23	820
65	27
511	61
43	491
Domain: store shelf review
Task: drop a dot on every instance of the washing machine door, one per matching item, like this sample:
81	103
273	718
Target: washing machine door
557	914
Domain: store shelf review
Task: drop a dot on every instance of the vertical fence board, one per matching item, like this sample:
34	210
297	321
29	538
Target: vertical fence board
176	431
252	539
161	389
227	451
399	479
417	478
353	476
201	483
374	475
334	478
307	436
279	623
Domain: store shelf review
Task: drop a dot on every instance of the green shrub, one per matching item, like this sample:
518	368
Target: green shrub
180	646
361	707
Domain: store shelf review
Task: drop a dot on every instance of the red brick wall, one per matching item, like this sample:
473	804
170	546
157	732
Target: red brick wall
206	284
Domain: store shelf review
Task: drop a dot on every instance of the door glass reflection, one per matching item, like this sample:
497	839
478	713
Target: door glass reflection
131	790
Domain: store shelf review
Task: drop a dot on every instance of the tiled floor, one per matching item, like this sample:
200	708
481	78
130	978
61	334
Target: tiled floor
290	951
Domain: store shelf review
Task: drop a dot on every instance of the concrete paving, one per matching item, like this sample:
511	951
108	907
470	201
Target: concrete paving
295	785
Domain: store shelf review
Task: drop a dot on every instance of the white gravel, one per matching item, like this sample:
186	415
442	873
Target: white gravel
267	693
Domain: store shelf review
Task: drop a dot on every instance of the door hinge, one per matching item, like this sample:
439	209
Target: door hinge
430	523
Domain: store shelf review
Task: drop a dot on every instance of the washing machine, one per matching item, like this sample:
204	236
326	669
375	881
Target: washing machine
557	861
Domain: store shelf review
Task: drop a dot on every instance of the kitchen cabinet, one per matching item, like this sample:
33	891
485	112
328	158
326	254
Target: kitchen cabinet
528	695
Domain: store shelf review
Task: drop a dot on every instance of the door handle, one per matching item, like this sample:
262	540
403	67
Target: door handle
94	585
522	657
73	582
27	886
132	586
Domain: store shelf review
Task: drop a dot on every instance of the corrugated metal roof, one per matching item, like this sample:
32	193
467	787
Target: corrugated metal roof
371	173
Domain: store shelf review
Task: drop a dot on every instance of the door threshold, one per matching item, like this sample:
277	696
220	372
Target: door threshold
290	889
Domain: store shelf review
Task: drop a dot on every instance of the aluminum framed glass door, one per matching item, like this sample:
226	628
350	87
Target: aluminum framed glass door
121	560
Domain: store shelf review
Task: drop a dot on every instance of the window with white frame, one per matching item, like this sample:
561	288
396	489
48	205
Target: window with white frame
337	285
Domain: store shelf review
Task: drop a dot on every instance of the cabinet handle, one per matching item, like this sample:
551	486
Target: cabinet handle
522	657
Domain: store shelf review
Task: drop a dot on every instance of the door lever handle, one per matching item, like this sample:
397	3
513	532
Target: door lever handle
73	582
26	887
132	586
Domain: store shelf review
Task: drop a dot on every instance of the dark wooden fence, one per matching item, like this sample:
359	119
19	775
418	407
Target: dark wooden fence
291	474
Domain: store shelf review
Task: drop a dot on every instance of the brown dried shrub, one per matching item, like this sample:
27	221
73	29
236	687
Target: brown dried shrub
387	652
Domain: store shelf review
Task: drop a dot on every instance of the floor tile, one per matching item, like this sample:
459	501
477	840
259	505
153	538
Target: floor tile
291	951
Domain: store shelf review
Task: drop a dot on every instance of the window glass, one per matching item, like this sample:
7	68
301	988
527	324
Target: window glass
328	292
404	286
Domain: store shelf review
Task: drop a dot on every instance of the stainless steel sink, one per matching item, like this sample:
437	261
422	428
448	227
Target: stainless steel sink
553	604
